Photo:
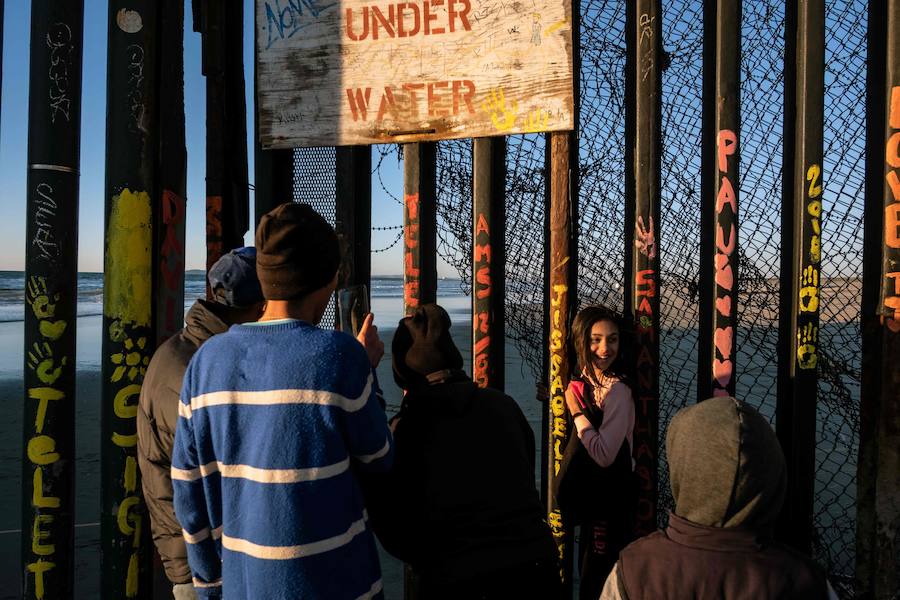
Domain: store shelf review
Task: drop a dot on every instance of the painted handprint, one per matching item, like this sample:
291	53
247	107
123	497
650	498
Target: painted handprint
536	121
41	361
38	298
645	238
501	115
44	308
809	291
807	337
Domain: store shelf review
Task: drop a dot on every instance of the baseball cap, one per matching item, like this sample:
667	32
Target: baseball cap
233	280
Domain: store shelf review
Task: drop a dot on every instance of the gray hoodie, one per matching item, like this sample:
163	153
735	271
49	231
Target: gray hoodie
728	479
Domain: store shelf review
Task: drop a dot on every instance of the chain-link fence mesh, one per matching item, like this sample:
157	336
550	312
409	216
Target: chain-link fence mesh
314	184
602	218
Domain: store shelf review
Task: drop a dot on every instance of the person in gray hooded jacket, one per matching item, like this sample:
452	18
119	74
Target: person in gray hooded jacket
238	299
728	479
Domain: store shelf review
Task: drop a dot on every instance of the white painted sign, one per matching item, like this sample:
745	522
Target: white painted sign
375	71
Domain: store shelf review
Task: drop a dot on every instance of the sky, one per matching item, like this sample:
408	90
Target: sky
14	141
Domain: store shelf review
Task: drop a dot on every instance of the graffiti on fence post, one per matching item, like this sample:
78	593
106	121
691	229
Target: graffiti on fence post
127	349
481	290
411	253
558	424
171	266
808	299
47	497
644	46
488	266
890	287
43	453
726	267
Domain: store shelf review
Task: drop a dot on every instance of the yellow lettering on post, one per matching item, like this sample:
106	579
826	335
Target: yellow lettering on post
38	535
129	522
121	407
124	441
39	568
43	395
38	499
42	450
130	474
131	580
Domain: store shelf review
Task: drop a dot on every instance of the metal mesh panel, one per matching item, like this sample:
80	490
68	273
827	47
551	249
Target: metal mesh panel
682	93
314	184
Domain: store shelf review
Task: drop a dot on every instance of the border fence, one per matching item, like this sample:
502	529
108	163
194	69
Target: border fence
601	226
686	111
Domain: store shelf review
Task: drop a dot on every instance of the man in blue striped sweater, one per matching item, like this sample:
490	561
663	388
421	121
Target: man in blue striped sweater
274	418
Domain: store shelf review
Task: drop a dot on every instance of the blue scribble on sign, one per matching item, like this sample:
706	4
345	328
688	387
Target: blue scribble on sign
285	18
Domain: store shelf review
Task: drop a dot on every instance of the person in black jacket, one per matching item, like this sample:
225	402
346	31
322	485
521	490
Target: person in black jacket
460	505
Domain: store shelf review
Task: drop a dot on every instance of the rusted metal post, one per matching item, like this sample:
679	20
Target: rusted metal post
563	303
128	333
642	239
353	211
419	226
878	497
169	228
227	208
488	261
419	251
719	204
804	67
51	275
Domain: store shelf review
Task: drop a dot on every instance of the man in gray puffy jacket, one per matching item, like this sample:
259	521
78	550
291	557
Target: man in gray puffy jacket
238	299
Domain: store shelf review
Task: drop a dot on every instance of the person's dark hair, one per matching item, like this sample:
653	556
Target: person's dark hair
621	367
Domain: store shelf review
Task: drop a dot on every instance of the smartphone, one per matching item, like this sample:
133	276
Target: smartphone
353	306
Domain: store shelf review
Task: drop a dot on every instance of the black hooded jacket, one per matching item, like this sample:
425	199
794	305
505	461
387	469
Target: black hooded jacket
461	500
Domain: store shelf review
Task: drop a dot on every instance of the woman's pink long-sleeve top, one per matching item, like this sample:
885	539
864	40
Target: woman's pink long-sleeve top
603	444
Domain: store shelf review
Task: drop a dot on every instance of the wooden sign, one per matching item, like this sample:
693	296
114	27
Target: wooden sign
376	71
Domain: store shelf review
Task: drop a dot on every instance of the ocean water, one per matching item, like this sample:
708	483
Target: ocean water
386	304
386	292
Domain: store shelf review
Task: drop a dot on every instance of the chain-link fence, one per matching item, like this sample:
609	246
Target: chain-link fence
313	183
602	217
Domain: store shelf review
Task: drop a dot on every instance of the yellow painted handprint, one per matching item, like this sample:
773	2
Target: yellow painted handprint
502	117
807	338
41	361
537	120
44	308
39	300
809	293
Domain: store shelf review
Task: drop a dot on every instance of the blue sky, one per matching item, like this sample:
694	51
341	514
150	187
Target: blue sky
14	142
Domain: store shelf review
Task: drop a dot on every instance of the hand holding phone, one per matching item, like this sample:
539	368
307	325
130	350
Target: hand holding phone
354	318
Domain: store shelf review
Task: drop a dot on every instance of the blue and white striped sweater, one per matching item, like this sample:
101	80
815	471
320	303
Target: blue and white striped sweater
271	419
